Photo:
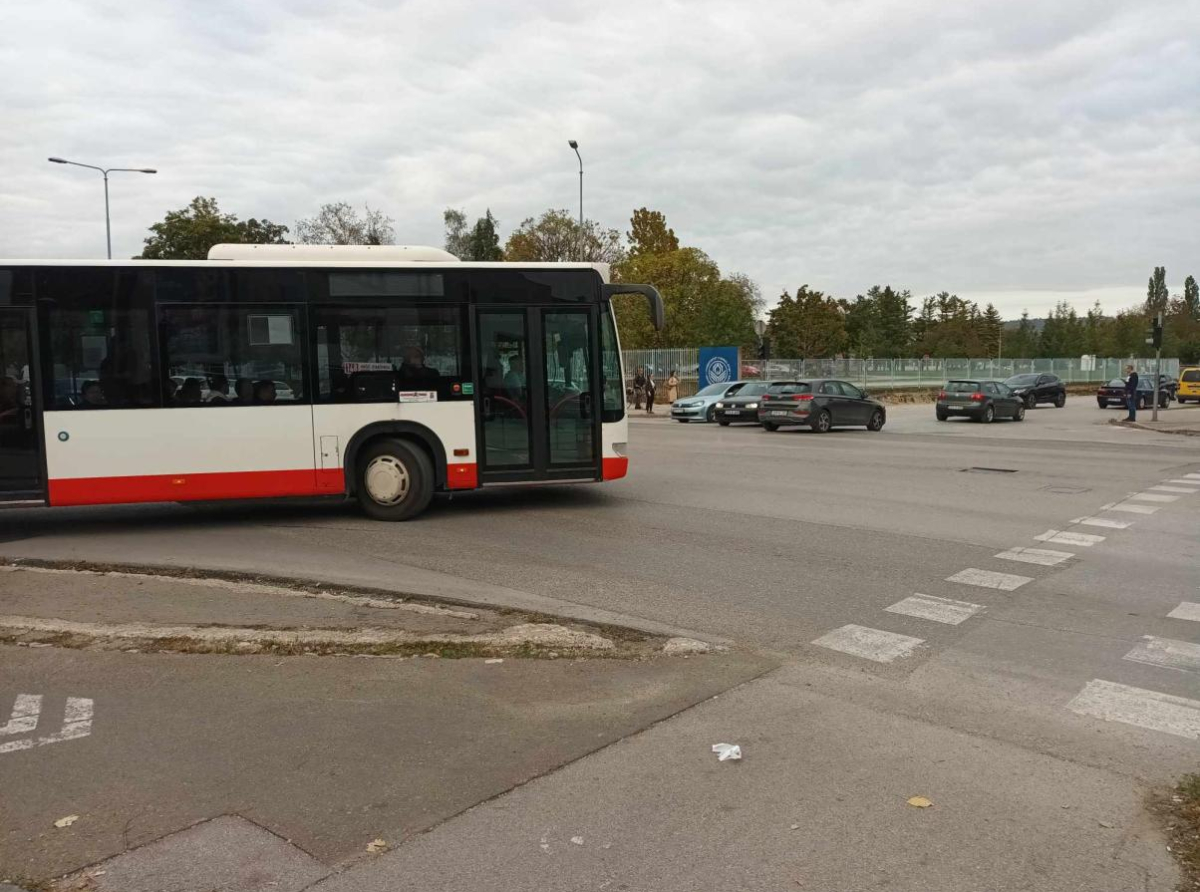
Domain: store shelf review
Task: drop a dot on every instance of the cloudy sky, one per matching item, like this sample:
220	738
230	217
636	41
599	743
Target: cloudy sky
1021	152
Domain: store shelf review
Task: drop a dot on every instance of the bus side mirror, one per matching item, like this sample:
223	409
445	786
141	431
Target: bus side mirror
658	312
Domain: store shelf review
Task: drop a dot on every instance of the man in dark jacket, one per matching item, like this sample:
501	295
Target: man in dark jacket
1131	393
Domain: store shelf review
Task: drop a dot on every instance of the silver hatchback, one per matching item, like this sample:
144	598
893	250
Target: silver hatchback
703	406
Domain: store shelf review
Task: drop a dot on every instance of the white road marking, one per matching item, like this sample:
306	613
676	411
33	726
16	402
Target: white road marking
989	579
1154	497
1043	556
77	722
1186	490
24	715
1192	476
1167	653
871	644
1104	522
940	610
1087	540
1184	481
1136	706
1186	610
1130	508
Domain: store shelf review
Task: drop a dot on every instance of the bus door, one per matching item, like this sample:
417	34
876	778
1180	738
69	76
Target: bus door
539	394
20	439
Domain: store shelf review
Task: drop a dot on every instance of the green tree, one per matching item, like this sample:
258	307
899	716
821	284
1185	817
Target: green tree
810	325
1157	294
484	243
458	237
993	331
557	237
340	224
648	234
1191	297
188	233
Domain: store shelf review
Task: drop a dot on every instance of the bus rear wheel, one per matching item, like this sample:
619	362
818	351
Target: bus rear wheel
395	480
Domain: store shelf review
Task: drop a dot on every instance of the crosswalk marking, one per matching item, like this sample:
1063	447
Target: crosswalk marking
24	715
1154	497
1184	481
989	579
939	610
1186	490
1135	706
1186	610
1193	476
1166	652
870	644
1087	540
1104	522
1043	556
1131	508
77	722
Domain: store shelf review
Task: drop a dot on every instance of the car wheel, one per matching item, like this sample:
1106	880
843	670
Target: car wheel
989	414
1031	401
1164	401
711	415
682	420
941	416
394	480
1060	400
1143	403
723	423
876	422
771	426
1019	415
1103	404
823	422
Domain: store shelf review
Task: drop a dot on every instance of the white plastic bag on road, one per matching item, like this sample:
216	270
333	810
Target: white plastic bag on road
727	751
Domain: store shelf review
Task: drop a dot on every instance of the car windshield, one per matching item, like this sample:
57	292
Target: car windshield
962	386
752	390
1116	382
790	387
1021	380
713	389
1190	375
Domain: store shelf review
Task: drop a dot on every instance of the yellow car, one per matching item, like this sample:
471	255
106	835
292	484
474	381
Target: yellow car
1189	384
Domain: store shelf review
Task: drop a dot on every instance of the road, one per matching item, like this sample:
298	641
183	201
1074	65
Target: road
1024	699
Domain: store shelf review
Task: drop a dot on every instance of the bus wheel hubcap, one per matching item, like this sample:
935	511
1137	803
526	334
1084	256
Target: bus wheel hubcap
387	480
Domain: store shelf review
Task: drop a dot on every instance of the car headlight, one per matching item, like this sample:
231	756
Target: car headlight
720	405
751	405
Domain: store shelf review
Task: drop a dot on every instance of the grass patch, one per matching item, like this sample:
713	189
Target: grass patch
1180	809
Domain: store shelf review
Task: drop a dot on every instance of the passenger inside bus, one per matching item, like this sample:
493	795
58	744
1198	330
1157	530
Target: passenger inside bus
244	390
413	369
92	395
218	389
9	393
514	381
190	393
264	392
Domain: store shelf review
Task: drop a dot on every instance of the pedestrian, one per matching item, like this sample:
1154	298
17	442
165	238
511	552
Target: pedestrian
673	386
650	388
1131	392
639	387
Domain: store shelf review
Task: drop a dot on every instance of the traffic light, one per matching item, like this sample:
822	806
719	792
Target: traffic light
1156	332
764	349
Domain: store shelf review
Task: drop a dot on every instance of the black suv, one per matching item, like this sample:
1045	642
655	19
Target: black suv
1034	389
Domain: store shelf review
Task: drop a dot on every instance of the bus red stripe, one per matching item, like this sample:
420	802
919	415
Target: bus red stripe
194	487
463	476
614	468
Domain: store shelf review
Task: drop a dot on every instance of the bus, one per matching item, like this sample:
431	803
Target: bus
385	374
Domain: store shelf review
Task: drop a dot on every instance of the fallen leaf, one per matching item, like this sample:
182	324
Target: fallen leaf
919	802
577	840
67	821
795	826
377	845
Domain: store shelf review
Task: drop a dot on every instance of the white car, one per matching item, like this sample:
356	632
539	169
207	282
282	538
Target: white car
703	406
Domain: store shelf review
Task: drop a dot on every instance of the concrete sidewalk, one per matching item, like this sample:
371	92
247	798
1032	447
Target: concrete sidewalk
1177	419
819	801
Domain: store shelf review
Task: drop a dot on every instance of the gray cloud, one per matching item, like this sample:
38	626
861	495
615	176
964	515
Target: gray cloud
1022	150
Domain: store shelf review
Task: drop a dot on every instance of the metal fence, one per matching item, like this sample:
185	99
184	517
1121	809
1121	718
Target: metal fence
886	373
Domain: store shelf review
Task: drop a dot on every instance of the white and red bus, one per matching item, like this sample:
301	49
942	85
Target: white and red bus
382	373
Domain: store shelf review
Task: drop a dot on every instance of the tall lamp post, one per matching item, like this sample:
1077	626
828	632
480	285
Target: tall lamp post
575	145
106	172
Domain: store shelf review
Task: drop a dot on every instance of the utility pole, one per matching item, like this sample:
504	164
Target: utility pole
1156	338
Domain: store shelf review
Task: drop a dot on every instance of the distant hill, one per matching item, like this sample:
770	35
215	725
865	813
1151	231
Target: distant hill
1013	324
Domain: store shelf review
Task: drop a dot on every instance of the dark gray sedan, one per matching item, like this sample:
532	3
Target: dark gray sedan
742	406
983	401
821	404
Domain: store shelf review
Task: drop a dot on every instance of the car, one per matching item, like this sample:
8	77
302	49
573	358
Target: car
703	406
1113	393
1036	388
743	406
979	400
1189	384
821	404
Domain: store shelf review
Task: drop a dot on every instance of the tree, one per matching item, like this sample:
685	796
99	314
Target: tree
1023	342
458	239
188	233
481	242
340	224
557	237
993	328
808	326
648	234
1191	297
1156	292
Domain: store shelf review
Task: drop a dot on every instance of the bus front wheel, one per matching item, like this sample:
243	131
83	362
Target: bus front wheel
395	480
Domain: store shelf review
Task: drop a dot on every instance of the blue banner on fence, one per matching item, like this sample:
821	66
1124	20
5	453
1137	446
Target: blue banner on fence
718	365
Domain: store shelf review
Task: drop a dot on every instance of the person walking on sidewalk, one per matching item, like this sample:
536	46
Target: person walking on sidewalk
673	386
639	387
1131	393
650	388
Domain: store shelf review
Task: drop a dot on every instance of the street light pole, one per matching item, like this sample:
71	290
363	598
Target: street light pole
575	145
105	172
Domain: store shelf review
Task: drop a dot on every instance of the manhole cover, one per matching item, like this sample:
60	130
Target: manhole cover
989	470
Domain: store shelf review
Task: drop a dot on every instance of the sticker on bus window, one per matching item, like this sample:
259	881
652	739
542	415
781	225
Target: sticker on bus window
468	389
417	396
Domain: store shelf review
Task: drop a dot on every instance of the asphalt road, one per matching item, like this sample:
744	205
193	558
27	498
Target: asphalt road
1047	685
